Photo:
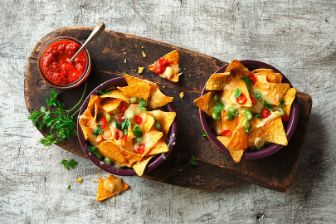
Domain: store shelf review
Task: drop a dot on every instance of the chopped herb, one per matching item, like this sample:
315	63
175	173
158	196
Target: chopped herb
133	99
124	125
236	93
116	124
267	105
158	125
48	140
215	116
282	102
258	115
103	92
193	160
142	104
247	81
69	164
93	149
137	131
258	95
218	108
204	134
107	160
231	113
216	97
69	187
97	130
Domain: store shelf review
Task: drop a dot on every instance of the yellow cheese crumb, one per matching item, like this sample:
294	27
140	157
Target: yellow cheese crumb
79	180
140	70
181	95
143	54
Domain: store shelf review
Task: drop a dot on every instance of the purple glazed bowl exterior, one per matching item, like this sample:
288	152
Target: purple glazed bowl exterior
155	162
269	149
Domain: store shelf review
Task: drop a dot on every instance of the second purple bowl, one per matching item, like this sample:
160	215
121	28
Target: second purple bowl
155	162
269	149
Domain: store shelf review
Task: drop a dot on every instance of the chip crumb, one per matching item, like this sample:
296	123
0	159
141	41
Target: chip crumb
79	180
181	95
125	61
125	52
142	47
140	70
143	54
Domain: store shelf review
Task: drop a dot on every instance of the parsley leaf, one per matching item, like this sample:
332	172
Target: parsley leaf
48	140
69	164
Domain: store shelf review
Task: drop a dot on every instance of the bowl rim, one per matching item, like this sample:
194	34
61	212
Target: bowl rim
83	77
271	148
155	161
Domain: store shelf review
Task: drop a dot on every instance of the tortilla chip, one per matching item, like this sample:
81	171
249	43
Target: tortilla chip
93	99
217	81
117	154
204	102
158	99
236	68
235	154
117	94
239	140
103	193
289	99
132	80
164	118
269	74
150	139
160	147
137	90
149	122
110	104
140	166
226	123
272	92
237	83
172	57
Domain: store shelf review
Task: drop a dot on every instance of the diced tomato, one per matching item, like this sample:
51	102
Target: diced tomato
137	119
252	77
103	122
116	135
284	118
226	133
241	99
160	66
139	148
265	113
120	118
124	137
123	107
254	100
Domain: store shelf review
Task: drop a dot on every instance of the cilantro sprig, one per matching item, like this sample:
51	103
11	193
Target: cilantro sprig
58	120
69	164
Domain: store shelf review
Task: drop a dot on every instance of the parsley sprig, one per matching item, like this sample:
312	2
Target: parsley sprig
69	164
58	120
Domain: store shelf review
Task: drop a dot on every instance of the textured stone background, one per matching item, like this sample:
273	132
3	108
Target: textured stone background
298	37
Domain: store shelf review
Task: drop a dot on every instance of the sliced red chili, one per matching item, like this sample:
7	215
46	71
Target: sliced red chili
241	99
226	132
139	148
123	107
137	119
103	122
254	100
265	113
252	77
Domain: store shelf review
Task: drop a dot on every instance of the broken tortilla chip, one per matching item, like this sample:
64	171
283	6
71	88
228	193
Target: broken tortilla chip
158	99
236	68
137	90
217	81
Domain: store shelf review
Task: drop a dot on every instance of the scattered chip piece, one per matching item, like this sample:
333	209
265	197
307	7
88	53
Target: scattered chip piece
109	187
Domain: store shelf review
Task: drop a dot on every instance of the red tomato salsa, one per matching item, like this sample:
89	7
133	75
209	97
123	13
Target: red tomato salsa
57	69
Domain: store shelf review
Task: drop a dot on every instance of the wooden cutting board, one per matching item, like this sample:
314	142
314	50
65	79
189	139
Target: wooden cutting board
115	53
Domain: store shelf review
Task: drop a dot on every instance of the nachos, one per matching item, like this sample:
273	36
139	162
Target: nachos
249	108
125	125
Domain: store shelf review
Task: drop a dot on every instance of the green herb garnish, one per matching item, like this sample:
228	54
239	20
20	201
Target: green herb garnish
204	134
142	104
258	115
236	93
137	131
247	81
69	187
107	160
158	125
133	99
124	125
56	118
97	130
193	160
103	92
93	149
258	95
69	164
267	105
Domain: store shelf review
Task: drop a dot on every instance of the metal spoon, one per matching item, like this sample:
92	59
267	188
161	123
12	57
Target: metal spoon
96	31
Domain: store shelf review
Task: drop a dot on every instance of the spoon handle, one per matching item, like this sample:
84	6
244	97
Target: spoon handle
96	31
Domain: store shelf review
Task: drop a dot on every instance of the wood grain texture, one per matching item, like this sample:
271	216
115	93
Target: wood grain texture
298	37
108	54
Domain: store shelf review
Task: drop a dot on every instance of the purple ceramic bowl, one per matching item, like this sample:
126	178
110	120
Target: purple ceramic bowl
155	162
269	149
